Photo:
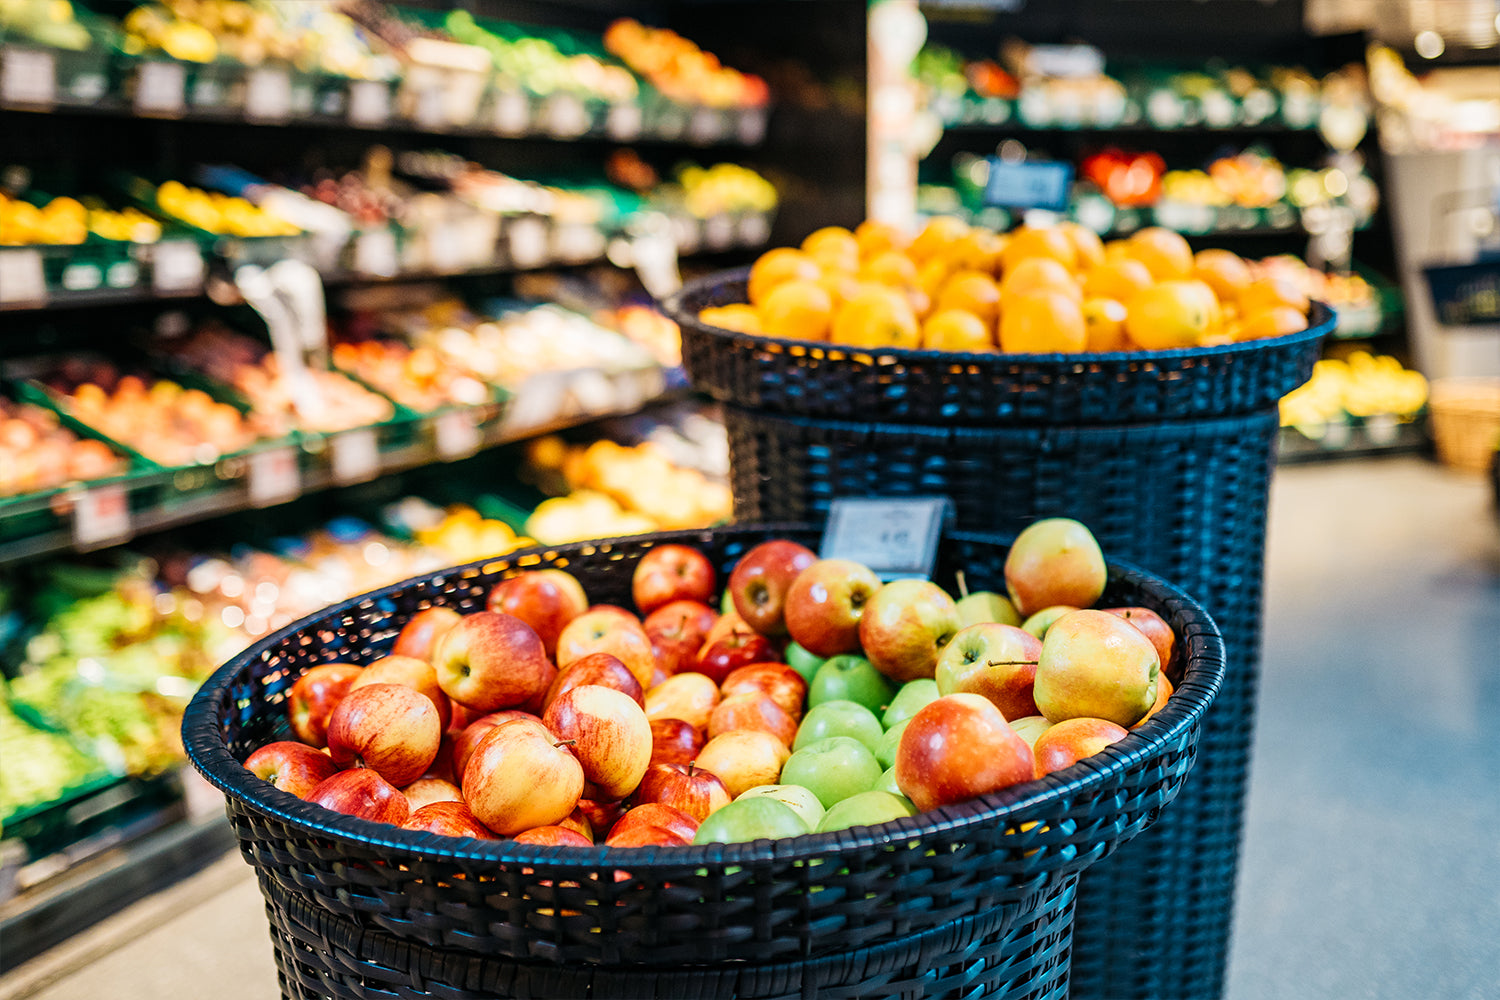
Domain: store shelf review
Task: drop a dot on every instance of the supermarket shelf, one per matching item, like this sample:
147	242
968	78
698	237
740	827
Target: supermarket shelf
1013	124
1370	437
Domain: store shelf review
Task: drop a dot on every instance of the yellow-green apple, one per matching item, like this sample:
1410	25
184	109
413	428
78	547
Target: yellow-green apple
1156	629
757	817
293	767
802	661
677	631
579	823
760	581
656	815
1071	740
720	658
986	606
839	718
613	631
313	698
851	678
868	808
604	669
887	782
1163	692
752	709
890	742
675	741
690	697
465	742
422	630
449	818
553	836
521	776
1038	624
1030	727
425	791
994	660
682	786
1054	561
1096	665
833	768
608	732
363	793
905	626
804	801
668	573
408	671
957	748
388	728
744	758
491	660
824	604
780	682
545	599
912	696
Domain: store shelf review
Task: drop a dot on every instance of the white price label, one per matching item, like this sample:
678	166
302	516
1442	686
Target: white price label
512	112
369	103
27	76
375	253
894	536
21	276
445	249
356	456
565	116
751	128
755	229
1165	109
431	112
687	233
456	434
576	241
176	266
268	94
718	232
528	242
623	123
122	274
82	277
706	126
101	516
274	477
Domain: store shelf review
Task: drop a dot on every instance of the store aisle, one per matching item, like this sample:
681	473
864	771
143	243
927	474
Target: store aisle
1370	859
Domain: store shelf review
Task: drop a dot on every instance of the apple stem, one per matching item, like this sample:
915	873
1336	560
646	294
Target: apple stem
565	743
1011	663
691	764
963	585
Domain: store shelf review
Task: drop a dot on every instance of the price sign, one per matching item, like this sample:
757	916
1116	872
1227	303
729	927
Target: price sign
82	277
268	94
897	537
1165	109
161	89
1028	185
101	516
512	112
355	456
623	123
446	250
430	112
528	242
718	231
176	267
369	103
122	274
27	76
456	434
754	229
687	233
577	241
274	477
565	116
375	253
21	277
705	126
751	128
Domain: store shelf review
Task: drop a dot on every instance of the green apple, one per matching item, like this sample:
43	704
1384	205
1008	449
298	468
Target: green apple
755	818
909	700
1039	623
1031	727
887	783
851	678
802	800
839	718
833	769
987	606
802	661
726	603
885	750
866	809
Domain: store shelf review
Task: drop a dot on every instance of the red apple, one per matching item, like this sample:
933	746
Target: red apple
363	793
778	681
449	818
408	671
553	836
1054	561
599	814
578	822
761	579
752	709
313	698
657	815
683	786
603	669
994	660
465	742
725	624
388	728
425	791
422	630
1163	692
674	741
490	661
956	748
645	835
677	631
670	573
825	603
609	733
905	627
744	758
291	766
1096	665
718	659
1156	629
545	599
690	697
616	632
1071	740
521	776
462	715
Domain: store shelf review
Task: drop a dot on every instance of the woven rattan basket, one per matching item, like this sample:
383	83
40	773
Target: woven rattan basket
1466	421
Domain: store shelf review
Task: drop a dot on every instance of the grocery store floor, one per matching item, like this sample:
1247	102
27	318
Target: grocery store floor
1371	860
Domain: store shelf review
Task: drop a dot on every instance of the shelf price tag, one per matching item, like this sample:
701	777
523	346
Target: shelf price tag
456	434
430	112
101	516
565	116
718	231
575	241
268	94
160	88
176	266
897	537
623	123
369	103
754	229
21	277
512	112
528	242
751	127
375	253
355	456
27	76
705	126
1043	185
273	477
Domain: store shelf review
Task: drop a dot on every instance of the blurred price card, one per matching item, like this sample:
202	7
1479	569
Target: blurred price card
101	516
274	477
456	434
369	103
268	94
897	537
623	123
375	253
718	231
528	241
355	456
160	88
21	277
1028	185
176	267
512	114
27	76
565	116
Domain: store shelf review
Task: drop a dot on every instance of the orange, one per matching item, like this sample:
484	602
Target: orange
1116	250
920	301
876	237
833	242
1029	242
1277	321
890	268
1172	314
777	266
1164	252
1044	321
1116	279
932	275
840	285
735	316
977	250
1104	325
797	310
1032	273
972	292
956	330
940	233
875	318
1086	242
1265	293
1222	270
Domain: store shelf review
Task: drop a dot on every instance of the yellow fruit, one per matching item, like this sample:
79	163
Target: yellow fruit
940	233
1267	293
972	292
841	286
1086	243
876	318
1277	321
777	266
1034	273
833	245
877	237
977	250
1222	270
1044	321
890	268
932	275
956	330
735	316
1172	314
1117	279
1104	325
1164	252
797	310
1050	242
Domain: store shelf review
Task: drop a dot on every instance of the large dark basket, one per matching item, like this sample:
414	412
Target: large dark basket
811	379
986	886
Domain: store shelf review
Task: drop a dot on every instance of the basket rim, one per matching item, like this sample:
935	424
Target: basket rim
206	749
1323	319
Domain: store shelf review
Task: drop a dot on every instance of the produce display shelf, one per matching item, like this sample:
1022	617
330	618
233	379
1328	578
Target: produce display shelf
1139	126
1357	437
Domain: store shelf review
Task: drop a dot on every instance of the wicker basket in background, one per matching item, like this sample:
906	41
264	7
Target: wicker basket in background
1466	421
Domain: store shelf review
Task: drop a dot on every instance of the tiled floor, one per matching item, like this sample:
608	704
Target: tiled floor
1372	846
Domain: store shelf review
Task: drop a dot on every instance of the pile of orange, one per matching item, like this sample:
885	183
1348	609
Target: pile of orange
1058	289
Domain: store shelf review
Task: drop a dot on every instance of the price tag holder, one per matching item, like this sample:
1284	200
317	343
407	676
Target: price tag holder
512	112
355	456
751	127
160	88
176	267
706	126
273	477
268	94
21	277
456	434
623	123
1029	185
375	253
565	116
528	242
431	112
897	537
369	103
28	76
101	516
718	231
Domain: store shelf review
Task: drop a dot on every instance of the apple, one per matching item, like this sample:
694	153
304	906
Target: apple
1156	629
608	732
802	661
1071	740
451	819
465	742
578	822
804	801
422	630
1163	692
644	835
491	660
654	814
1030	728
677	631
460	716
752	709
890	742
726	623
824	604
293	767
1054	561
997	661
425	791
887	783
851	678
674	741
779	681
956	748
313	698
683	786
986	606
690	697
545	599
603	669
408	671
363	793
599	814
912	696
553	836
833	769
905	626
744	758
720	658
839	718
388	728
761	579
668	573
757	817
614	631
521	776
868	808
1038	624
1096	665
